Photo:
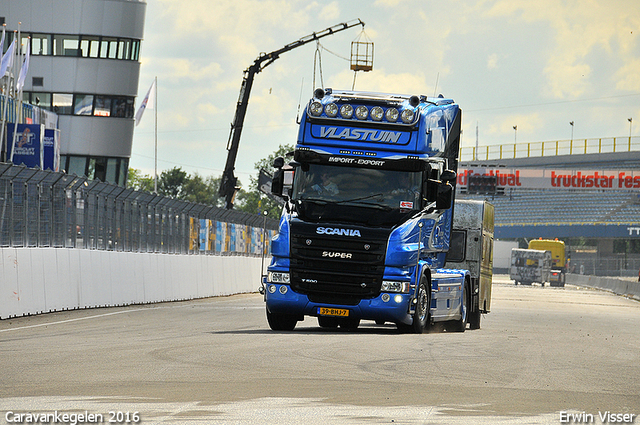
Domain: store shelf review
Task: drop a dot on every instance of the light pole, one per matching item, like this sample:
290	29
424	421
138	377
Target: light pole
630	125
515	135
571	124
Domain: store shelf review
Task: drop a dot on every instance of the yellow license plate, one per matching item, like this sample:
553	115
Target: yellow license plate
326	311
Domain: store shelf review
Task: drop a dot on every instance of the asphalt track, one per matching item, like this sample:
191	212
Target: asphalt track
542	355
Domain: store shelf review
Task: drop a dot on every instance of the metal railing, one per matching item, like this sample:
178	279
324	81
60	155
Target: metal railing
550	148
48	209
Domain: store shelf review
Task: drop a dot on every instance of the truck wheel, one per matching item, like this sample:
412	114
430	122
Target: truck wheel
421	317
474	318
328	322
281	322
461	324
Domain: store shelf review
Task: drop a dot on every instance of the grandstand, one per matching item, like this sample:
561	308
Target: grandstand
556	196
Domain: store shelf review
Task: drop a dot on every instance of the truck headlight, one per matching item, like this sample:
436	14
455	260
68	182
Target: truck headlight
377	113
394	286
331	110
392	114
316	109
407	116
346	111
279	277
362	112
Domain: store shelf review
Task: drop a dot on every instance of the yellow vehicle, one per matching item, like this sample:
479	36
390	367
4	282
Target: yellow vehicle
558	258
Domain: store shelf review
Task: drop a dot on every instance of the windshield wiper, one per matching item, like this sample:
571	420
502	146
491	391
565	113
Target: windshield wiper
360	199
378	206
324	201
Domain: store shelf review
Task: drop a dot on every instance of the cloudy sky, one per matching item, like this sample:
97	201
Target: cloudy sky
537	65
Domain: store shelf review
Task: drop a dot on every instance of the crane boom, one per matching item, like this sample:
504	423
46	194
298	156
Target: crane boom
229	180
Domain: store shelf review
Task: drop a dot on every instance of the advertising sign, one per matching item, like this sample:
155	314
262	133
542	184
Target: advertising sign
563	178
25	143
51	150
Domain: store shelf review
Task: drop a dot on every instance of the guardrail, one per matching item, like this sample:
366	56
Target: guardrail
550	148
48	209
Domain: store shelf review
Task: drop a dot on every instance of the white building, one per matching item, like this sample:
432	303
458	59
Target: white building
84	66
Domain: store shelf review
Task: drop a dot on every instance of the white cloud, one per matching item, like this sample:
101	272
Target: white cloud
505	61
584	33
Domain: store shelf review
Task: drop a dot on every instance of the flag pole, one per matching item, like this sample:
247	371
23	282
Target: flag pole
6	100
15	94
155	136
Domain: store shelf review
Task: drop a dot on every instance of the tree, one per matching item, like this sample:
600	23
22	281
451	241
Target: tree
252	200
171	183
138	181
202	190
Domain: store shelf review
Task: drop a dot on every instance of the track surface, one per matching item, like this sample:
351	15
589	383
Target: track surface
540	352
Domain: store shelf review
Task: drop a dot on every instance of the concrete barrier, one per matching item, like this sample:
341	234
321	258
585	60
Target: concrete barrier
41	280
616	285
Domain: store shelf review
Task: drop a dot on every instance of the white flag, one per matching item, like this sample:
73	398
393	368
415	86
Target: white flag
7	59
24	69
147	102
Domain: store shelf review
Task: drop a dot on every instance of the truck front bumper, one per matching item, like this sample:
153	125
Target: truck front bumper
387	307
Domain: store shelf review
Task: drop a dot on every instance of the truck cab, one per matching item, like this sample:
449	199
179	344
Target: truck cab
366	225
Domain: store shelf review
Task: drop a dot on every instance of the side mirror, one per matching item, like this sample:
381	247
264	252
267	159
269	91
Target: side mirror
448	176
278	163
276	182
287	180
444	196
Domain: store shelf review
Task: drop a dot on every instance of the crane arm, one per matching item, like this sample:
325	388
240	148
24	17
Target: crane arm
229	180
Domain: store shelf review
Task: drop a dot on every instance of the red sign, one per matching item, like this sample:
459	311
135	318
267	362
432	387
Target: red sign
530	178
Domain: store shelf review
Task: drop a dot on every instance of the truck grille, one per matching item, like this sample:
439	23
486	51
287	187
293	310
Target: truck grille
337	269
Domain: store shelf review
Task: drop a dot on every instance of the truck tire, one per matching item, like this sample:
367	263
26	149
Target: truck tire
474	318
281	322
422	316
461	324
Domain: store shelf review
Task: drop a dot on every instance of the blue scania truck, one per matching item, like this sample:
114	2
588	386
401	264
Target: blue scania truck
367	222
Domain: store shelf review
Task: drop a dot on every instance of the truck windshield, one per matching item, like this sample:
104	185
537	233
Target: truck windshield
373	188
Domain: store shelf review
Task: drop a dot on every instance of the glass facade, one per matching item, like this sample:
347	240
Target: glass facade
110	170
82	104
82	46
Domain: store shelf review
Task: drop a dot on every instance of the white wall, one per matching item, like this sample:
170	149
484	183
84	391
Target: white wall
40	280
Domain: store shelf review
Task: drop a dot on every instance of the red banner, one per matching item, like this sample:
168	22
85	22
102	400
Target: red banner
529	178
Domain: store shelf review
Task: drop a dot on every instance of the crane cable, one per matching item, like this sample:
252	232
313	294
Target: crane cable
317	57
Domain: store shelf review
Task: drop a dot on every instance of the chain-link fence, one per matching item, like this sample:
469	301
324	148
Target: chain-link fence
47	209
596	264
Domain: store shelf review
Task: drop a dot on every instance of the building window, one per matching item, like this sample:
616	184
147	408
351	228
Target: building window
42	100
103	106
109	48
135	50
83	104
66	45
37	81
86	46
122	107
89	46
76	165
62	103
111	170
41	44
